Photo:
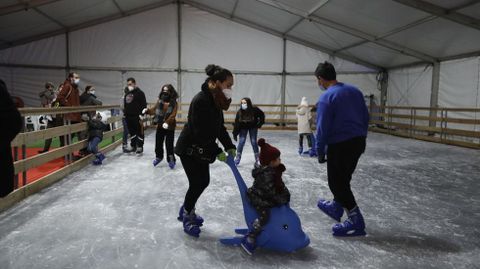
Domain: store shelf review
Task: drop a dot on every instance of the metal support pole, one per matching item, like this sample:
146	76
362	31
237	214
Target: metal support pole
434	93
179	35
67	52
284	78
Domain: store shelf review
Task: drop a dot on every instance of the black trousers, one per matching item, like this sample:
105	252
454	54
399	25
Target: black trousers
57	121
6	170
342	159
136	131
198	175
168	137
263	216
309	140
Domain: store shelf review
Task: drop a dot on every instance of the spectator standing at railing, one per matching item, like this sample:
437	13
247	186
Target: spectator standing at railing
12	123
342	125
165	111
248	120
57	120
88	98
124	123
134	105
46	98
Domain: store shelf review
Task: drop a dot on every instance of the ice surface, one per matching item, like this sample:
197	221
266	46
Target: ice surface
420	200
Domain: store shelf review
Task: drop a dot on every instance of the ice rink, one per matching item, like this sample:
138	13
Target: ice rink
420	200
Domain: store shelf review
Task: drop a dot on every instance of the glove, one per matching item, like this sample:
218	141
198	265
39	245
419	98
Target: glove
235	137
85	117
321	158
165	125
232	152
144	111
141	117
222	157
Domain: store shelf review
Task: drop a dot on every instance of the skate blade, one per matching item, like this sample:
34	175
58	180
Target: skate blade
242	231
350	233
232	241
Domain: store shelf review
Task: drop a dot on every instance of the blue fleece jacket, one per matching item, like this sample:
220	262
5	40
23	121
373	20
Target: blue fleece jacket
341	115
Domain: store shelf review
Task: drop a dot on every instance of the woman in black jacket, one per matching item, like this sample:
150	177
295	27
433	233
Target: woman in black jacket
196	146
248	120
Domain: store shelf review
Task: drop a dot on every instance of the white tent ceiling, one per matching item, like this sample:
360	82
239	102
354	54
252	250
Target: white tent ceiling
375	33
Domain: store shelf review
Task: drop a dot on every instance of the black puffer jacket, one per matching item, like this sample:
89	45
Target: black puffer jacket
88	99
265	192
134	102
96	128
248	119
204	126
9	117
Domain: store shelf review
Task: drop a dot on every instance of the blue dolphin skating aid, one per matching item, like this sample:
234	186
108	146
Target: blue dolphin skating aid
283	232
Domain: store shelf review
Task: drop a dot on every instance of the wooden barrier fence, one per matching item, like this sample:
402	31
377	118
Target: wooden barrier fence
23	163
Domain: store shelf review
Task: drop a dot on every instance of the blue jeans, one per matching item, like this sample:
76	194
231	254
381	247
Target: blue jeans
243	137
93	145
125	131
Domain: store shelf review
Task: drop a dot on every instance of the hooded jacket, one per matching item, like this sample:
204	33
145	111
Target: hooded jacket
268	189
204	126
303	117
165	112
96	128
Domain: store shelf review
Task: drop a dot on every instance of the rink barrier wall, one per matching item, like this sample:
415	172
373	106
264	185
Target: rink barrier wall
22	164
416	123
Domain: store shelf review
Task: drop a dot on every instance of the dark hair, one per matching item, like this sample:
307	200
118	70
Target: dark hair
88	88
48	85
249	111
216	72
70	75
326	71
132	80
171	90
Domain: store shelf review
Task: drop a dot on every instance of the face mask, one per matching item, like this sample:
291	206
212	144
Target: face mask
130	88
92	92
165	97
321	87
227	93
76	81
244	106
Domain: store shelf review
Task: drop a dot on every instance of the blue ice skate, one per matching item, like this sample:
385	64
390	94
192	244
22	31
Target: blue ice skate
353	226
198	219
333	209
283	232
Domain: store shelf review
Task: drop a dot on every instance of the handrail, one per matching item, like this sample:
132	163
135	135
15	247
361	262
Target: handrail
62	110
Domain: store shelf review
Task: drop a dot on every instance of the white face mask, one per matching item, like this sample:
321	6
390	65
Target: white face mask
92	92
227	93
244	106
76	81
130	88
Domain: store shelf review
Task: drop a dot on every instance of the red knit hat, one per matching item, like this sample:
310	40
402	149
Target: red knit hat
268	153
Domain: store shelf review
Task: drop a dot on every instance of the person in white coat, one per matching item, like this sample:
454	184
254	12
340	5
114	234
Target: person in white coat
304	130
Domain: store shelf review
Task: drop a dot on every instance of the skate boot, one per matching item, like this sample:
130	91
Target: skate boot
300	150
100	156
190	225
312	152
354	225
156	161
171	161
257	160
128	149
248	245
333	209
139	150
198	220
238	158
97	161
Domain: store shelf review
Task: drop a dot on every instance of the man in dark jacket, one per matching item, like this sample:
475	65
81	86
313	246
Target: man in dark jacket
135	105
12	121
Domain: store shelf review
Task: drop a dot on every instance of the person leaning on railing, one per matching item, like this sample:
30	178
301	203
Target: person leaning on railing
47	99
12	123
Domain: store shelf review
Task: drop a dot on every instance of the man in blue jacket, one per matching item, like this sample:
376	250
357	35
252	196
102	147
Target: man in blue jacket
342	125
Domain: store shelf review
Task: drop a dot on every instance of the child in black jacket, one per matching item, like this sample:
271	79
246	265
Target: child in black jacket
268	190
95	136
